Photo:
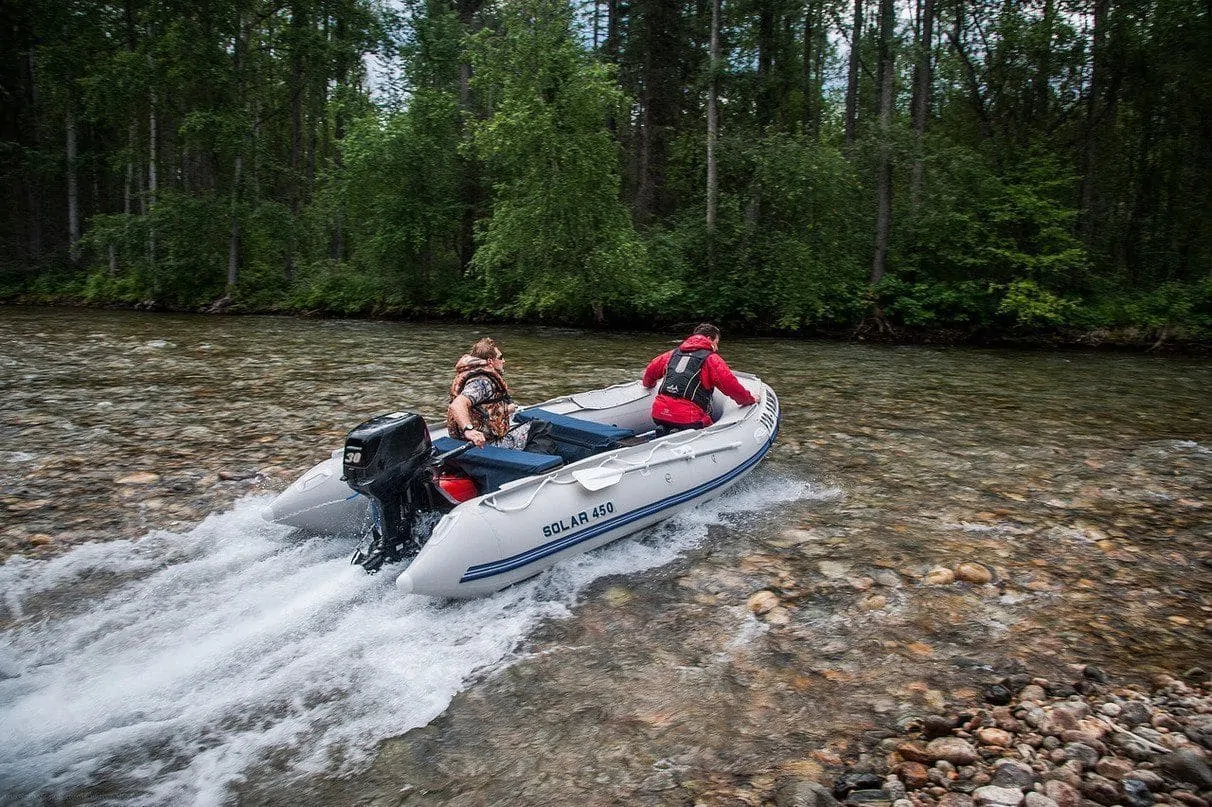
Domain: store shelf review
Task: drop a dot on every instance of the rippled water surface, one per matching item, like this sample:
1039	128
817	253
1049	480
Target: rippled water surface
162	645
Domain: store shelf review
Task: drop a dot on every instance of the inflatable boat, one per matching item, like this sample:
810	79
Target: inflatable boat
463	521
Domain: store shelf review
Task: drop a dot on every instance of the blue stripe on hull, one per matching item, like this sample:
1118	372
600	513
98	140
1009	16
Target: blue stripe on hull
538	553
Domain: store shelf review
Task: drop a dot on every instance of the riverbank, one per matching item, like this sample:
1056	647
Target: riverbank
1154	340
1040	743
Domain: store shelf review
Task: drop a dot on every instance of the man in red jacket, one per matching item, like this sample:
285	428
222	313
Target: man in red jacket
688	375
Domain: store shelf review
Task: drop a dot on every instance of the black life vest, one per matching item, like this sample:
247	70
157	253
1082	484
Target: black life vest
684	378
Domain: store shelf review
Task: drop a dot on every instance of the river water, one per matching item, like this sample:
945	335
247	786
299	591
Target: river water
161	644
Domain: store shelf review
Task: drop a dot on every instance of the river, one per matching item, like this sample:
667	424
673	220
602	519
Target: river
161	644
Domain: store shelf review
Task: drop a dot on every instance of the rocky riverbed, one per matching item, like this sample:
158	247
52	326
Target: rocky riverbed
965	518
1036	742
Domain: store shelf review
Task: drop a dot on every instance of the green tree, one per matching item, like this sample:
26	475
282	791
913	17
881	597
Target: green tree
559	241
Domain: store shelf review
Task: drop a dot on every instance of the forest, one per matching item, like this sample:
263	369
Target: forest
875	167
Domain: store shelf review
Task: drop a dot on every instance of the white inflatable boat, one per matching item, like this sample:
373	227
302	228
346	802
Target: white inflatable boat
609	474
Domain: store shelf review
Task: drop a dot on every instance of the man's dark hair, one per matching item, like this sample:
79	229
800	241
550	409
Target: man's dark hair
708	330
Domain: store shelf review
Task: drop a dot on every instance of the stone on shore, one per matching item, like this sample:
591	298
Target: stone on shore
955	750
992	796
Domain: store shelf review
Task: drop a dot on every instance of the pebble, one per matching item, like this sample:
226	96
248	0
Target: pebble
1150	779
914	774
1136	793
801	793
992	796
1189	798
998	695
778	616
938	725
887	578
874	603
1012	773
1033	693
939	576
1113	767
833	570
970	572
995	737
1100	790
1187	766
955	800
854	781
1063	793
1080	752
1133	713
762	602
955	750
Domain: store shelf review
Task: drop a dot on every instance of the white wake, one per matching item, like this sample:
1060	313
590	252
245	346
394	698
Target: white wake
165	669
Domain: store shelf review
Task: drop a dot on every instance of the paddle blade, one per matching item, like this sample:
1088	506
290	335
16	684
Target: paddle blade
593	479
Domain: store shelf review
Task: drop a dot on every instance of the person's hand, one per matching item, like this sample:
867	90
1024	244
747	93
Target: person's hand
513	408
477	438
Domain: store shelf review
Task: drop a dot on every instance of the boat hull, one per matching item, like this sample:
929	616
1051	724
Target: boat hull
530	525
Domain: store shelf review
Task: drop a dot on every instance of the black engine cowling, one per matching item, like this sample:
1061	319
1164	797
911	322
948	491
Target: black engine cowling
384	453
388	458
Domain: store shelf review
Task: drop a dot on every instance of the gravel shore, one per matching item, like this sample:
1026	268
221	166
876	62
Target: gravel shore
1039	743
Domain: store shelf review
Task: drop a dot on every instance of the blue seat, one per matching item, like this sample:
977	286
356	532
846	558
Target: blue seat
492	466
575	438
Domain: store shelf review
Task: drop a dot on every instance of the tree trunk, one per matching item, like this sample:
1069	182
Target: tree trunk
713	123
974	88
73	189
233	240
922	80
885	80
660	25
811	89
466	10
852	74
765	63
297	87
611	44
597	13
128	187
1094	116
32	187
1043	74
152	183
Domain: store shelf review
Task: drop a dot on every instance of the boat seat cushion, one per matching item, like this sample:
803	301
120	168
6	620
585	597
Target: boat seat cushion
491	466
576	438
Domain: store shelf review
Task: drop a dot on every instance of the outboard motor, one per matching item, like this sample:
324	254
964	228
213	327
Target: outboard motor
388	459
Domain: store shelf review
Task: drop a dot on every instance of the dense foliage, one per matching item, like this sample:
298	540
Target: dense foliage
957	164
